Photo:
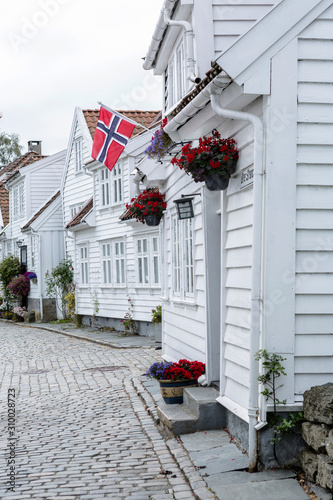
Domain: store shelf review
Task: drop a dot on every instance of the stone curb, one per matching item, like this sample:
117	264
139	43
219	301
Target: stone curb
76	336
176	448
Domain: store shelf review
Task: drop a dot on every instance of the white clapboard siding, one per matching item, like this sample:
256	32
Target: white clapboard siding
43	183
234	17
184	322
238	237
314	195
113	300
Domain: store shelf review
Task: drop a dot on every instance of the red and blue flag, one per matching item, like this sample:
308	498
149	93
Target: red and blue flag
111	136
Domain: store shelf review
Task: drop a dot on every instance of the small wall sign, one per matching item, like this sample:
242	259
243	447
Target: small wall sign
246	177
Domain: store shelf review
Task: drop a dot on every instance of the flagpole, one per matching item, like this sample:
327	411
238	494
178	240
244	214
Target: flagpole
123	116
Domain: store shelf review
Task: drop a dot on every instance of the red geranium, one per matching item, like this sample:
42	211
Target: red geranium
149	202
213	156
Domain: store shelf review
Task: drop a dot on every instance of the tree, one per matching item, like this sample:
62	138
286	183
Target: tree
59	282
10	148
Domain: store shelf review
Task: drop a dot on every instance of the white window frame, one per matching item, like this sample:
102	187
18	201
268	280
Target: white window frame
119	258
176	74
32	252
83	264
18	200
105	187
74	209
183	273
106	263
148	266
78	156
117	184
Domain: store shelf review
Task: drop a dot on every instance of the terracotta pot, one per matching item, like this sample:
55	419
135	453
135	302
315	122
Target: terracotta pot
172	390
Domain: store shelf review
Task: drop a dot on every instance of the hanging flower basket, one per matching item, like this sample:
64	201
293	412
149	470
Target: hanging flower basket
212	162
160	143
148	207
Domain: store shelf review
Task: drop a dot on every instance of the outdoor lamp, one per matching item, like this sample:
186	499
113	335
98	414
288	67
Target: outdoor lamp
184	208
19	243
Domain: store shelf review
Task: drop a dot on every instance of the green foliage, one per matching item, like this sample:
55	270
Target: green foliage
59	282
273	370
70	303
9	268
156	314
10	148
128	321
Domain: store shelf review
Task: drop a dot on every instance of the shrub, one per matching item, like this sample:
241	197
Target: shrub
59	282
9	268
19	286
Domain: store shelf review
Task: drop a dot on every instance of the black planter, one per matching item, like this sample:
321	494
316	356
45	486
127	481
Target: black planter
216	183
152	220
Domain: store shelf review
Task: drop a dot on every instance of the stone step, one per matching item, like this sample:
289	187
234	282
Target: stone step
200	411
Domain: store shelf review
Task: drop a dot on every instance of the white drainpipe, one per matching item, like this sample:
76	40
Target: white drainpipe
253	410
189	40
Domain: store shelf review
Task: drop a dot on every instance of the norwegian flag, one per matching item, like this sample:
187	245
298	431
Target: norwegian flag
111	136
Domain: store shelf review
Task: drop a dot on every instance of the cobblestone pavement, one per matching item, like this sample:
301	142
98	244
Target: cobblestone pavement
80	430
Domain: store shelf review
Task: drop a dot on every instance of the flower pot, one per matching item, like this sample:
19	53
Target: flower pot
152	220
215	182
172	390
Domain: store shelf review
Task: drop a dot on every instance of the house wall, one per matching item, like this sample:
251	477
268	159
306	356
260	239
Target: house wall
314	175
234	17
43	182
236	257
113	300
184	321
77	187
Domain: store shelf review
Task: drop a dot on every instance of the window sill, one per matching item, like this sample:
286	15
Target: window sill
184	303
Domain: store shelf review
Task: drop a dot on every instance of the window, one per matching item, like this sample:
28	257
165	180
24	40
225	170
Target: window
175	76
84	267
182	258
148	261
78	155
18	200
74	209
119	262
32	252
105	187
106	263
111	186
113	264
117	189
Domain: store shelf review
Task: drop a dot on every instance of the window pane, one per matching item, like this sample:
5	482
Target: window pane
119	189
155	247
145	246
123	270
140	269
104	272
156	271
146	269
118	271
139	246
109	271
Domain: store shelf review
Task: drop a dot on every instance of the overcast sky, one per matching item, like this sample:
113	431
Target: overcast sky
58	54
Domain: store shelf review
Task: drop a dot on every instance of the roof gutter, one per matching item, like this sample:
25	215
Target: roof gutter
163	22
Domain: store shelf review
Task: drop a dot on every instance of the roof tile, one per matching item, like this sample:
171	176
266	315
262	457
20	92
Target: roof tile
146	118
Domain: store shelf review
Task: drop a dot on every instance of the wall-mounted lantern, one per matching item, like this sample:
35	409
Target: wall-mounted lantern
185	206
20	243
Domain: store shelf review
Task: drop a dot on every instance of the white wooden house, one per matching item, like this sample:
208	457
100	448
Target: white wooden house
33	230
100	243
261	266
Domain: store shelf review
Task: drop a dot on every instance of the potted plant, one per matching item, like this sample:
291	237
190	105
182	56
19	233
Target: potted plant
174	377
148	207
212	162
6	309
19	313
160	143
156	315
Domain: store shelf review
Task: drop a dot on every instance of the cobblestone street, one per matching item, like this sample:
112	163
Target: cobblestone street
80	430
